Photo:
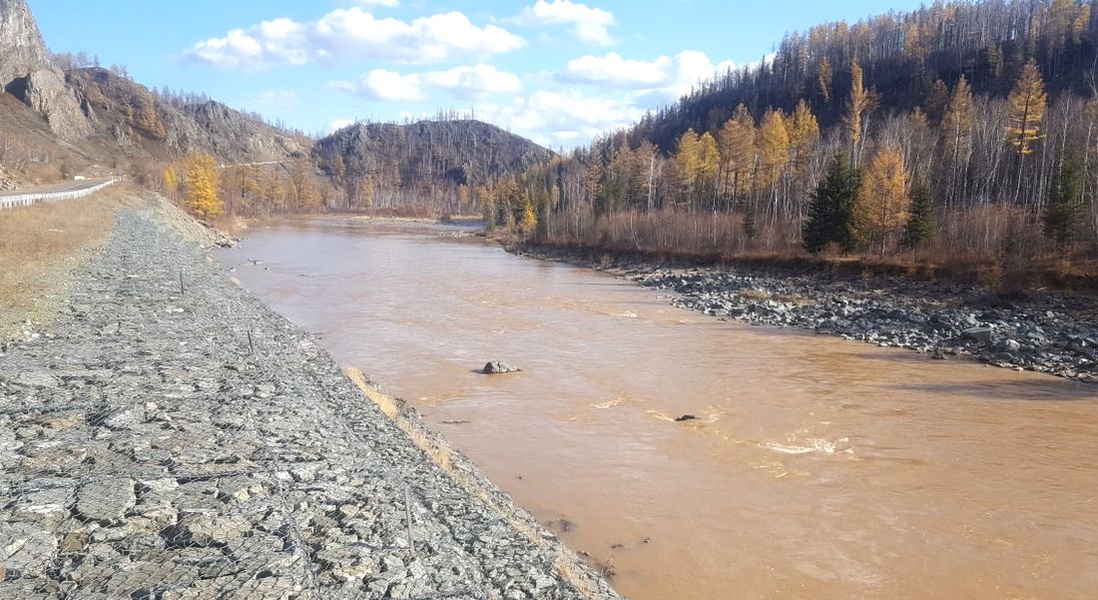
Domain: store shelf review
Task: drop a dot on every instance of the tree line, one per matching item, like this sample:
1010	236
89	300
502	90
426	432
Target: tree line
962	131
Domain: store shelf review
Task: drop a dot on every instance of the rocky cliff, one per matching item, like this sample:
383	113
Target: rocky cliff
138	123
26	73
21	47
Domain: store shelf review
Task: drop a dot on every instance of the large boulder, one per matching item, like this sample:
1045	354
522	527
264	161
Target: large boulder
496	367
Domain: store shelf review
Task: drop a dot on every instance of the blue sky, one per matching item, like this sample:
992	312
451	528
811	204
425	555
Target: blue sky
556	71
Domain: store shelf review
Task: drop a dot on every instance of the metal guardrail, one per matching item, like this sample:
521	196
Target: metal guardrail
43	196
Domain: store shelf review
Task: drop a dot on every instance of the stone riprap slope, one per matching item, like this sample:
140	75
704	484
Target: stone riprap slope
1046	334
167	444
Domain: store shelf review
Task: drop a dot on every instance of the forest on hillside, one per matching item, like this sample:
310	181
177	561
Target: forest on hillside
963	132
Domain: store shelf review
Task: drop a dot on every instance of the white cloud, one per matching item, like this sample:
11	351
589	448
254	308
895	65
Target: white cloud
465	82
338	124
354	33
384	85
615	71
587	24
651	84
475	82
561	118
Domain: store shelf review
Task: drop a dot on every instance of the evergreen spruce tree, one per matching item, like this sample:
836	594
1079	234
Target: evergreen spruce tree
919	227
831	209
1064	210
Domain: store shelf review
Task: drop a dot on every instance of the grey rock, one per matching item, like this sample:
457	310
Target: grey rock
26	549
496	367
203	529
979	334
106	501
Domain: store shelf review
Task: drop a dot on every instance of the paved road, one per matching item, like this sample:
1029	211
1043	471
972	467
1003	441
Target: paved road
66	190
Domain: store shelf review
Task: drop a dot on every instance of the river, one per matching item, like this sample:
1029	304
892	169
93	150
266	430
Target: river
817	467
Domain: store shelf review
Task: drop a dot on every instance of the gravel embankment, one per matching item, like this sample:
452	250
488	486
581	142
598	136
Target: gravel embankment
1043	332
169	440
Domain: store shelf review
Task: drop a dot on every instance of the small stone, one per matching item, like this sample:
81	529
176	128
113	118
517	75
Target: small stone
349	511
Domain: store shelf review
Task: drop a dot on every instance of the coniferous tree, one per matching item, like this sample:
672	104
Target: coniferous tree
1064	211
919	227
831	209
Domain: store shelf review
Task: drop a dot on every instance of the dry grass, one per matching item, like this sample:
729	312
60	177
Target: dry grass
755	294
39	246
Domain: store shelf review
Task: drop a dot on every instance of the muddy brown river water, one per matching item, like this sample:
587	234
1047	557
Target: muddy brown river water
817	468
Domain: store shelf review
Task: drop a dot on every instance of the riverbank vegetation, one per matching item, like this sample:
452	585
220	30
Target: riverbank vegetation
958	138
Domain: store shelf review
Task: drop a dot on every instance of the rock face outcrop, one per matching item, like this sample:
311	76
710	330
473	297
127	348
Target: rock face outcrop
26	73
21	47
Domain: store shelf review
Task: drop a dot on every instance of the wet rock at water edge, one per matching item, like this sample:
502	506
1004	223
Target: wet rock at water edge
496	367
980	335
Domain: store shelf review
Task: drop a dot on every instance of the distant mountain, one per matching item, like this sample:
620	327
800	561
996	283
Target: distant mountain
422	163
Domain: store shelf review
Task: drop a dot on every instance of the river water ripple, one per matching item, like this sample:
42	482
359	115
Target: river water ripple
816	468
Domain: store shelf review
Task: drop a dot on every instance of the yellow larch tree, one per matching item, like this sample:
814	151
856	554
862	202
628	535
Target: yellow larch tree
1082	22
686	159
773	147
203	185
957	129
736	141
1027	103
804	133
709	166
882	204
824	74
859	104
171	181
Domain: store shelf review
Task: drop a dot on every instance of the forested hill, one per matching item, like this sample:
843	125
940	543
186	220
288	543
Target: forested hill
444	164
961	133
908	59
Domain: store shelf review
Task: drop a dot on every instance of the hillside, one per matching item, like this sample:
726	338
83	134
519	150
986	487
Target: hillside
957	139
59	122
429	162
902	55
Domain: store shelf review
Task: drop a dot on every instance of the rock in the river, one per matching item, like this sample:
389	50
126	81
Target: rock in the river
496	367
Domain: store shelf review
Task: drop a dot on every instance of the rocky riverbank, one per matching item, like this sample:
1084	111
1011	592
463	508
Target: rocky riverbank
171	437
1043	332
